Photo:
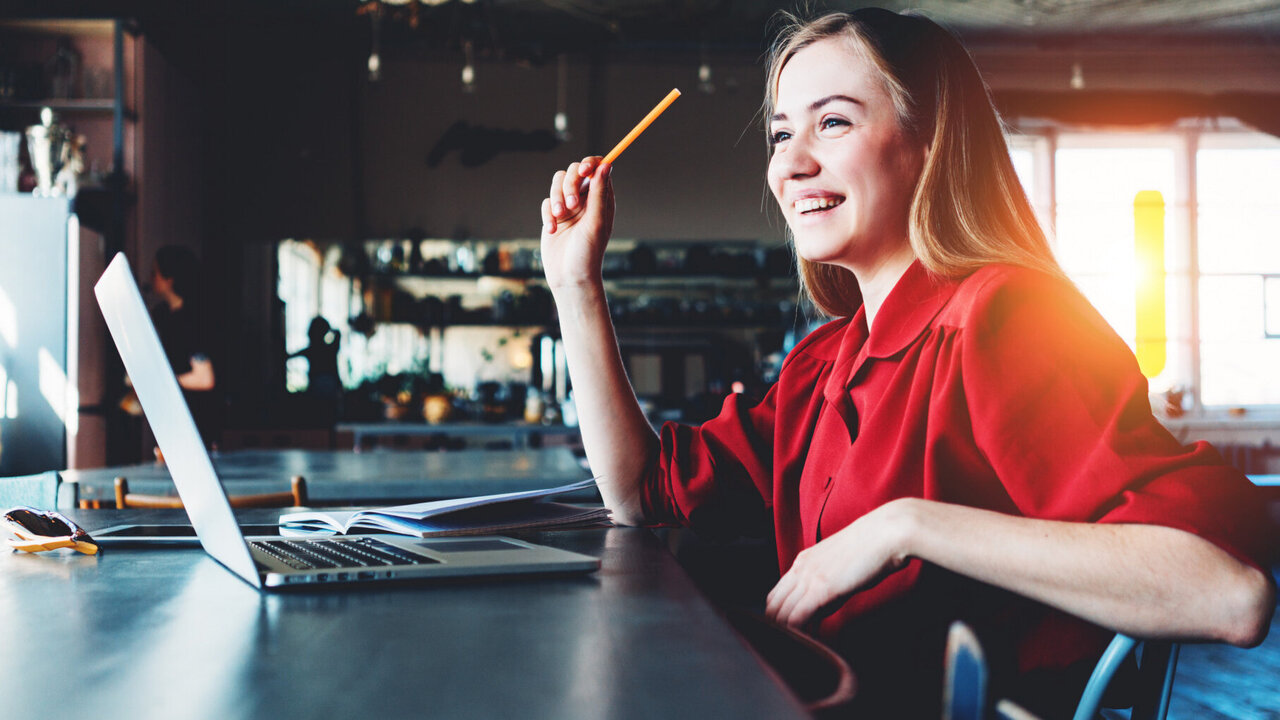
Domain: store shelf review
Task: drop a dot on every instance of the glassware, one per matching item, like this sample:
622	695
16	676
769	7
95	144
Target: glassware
49	145
63	71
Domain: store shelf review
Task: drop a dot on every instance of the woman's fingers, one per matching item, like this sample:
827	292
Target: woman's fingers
779	597
600	186
557	194
570	183
570	193
548	220
578	180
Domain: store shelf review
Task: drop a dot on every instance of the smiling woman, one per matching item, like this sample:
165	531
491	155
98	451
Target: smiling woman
966	206
967	440
843	169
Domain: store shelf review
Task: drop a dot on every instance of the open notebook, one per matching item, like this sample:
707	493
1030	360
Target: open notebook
465	516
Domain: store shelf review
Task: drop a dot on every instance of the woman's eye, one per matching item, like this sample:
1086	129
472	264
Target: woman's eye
828	123
778	136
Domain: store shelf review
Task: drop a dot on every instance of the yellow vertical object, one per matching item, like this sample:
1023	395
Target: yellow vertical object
1148	247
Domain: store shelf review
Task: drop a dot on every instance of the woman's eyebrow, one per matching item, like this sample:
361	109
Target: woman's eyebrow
817	104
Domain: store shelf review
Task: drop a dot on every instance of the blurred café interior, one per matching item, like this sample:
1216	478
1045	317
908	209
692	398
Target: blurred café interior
356	187
363	178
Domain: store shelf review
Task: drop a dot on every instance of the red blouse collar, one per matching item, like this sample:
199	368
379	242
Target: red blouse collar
914	302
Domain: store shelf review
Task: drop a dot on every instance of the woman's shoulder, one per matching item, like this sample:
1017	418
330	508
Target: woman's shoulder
998	290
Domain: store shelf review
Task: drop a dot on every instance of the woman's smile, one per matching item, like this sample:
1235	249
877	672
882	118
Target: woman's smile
817	205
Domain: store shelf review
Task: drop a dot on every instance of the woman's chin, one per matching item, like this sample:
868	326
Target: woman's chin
817	253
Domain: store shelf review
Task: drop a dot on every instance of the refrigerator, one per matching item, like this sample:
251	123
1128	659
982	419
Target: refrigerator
52	338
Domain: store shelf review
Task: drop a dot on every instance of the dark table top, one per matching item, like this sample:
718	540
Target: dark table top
170	633
343	476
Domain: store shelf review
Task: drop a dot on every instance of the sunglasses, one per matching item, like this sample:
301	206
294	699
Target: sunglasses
41	530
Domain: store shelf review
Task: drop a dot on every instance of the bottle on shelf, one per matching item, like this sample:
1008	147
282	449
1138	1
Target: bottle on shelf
63	72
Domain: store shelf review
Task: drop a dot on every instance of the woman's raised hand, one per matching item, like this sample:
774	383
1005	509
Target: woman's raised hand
577	220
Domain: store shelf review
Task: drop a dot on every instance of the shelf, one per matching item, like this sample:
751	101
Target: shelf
83	106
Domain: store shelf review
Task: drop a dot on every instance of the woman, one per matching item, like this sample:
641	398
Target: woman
967	441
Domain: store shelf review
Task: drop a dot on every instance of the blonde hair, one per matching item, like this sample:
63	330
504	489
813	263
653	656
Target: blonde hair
969	208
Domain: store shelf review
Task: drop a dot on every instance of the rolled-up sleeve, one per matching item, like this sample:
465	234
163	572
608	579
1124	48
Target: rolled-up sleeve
715	477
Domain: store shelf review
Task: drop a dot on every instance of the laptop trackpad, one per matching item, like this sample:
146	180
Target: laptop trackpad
460	546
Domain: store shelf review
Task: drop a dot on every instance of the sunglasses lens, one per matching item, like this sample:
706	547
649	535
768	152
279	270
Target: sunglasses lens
39	523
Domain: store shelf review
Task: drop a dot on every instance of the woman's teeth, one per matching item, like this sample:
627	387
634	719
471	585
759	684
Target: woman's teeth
811	204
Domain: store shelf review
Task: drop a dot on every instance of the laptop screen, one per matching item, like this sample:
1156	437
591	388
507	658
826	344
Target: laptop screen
170	419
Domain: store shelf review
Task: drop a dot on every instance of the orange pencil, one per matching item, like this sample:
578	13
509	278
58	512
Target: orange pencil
635	132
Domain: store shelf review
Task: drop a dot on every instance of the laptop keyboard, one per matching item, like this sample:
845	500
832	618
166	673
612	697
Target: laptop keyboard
325	554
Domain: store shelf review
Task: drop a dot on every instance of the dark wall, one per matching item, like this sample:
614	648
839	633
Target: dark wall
298	143
696	173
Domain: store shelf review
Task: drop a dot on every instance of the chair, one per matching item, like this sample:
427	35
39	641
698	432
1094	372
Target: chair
1152	685
819	677
965	683
39	491
297	496
964	689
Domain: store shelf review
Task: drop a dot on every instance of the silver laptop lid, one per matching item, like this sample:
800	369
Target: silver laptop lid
175	430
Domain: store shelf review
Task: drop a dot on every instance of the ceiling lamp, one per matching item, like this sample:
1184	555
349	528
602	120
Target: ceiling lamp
469	69
562	91
705	83
375	57
1077	76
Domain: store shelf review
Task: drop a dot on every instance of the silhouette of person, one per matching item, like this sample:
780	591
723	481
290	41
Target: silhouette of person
323	383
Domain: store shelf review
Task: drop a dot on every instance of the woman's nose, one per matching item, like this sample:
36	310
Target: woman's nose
797	159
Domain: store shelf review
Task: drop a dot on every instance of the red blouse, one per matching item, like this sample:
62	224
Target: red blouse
1006	391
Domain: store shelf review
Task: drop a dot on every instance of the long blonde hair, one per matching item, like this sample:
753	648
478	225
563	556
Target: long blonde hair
968	209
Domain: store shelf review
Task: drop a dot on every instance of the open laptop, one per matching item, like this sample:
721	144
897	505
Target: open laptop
272	562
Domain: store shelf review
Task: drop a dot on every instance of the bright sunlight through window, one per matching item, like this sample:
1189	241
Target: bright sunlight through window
1222	255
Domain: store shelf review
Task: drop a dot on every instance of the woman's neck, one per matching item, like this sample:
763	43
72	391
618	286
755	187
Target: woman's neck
877	280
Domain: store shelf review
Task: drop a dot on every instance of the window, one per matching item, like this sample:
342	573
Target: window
1221	247
298	286
1239	262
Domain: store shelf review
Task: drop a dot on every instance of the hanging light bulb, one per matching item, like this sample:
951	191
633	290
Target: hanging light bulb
704	74
375	58
704	79
469	69
562	85
1077	76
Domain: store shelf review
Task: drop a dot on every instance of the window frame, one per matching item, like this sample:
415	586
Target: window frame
1185	139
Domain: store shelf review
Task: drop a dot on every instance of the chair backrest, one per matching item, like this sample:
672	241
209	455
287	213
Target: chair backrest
964	692
965	688
1152	687
39	491
820	678
296	497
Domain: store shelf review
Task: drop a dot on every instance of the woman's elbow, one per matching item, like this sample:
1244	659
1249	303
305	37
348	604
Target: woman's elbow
1255	603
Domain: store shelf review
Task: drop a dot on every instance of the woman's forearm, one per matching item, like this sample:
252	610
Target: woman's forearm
1143	580
615	433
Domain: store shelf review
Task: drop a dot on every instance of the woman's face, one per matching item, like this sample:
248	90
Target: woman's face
842	169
